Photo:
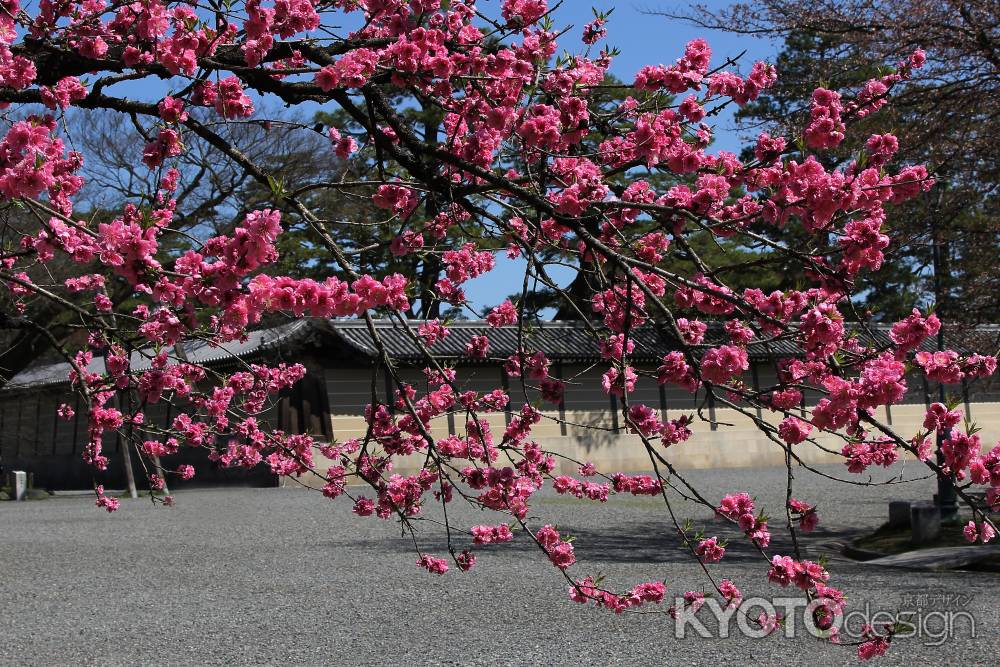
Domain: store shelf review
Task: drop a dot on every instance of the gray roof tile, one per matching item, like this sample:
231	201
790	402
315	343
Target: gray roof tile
198	352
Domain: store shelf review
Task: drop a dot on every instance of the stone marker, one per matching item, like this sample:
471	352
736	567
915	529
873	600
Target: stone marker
19	485
925	520
899	513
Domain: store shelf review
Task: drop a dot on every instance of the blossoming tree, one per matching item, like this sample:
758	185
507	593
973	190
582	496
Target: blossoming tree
532	156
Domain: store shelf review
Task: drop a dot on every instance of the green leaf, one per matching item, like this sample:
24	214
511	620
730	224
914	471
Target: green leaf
277	188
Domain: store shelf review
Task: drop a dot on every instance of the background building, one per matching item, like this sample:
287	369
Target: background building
342	373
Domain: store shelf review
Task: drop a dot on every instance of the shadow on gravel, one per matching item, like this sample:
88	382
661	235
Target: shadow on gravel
633	542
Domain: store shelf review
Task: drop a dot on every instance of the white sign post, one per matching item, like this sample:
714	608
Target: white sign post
20	485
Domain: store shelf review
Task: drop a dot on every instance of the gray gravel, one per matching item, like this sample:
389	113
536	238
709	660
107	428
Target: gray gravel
284	576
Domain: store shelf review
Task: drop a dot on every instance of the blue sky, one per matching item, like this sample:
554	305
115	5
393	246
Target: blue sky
649	40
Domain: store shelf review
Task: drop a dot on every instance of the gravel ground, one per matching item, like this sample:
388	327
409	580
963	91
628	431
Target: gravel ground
284	576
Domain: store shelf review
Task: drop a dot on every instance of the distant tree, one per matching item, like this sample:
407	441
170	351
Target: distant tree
947	117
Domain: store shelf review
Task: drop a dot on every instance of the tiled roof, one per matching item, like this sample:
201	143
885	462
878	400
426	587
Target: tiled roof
566	341
198	352
984	339
573	341
966	339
